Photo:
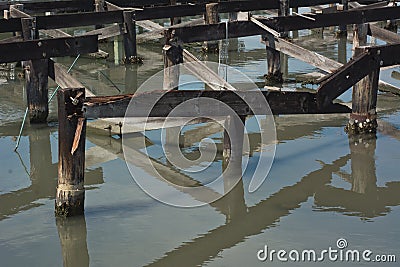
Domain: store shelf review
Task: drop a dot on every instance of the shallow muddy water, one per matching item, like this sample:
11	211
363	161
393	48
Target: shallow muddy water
323	186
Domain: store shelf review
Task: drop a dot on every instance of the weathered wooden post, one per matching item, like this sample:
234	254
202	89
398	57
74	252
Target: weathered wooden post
174	20
295	34
7	15
274	74
36	77
342	49
173	56
363	116
391	24
284	10
343	28
73	234
71	153
99	6
211	17
130	38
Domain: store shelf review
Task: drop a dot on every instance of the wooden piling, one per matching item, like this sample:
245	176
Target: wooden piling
71	153
99	6
363	116
130	38
284	10
342	30
36	77
274	74
18	7
173	56
174	20
211	17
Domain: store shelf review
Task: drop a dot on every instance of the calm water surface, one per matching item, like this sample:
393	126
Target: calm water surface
322	186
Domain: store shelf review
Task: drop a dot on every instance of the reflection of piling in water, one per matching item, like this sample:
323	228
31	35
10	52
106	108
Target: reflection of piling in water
363	171
72	233
232	167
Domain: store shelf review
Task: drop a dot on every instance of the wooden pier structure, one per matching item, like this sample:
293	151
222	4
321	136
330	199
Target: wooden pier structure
38	38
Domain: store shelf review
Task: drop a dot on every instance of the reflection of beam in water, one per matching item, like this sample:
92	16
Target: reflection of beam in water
43	175
114	146
365	199
258	218
72	233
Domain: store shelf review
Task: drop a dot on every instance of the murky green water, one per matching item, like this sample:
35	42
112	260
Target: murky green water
322	186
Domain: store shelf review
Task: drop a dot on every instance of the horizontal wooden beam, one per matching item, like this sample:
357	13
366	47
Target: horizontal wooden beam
346	76
384	35
47	48
291	23
200	33
42	6
115	16
280	103
62	78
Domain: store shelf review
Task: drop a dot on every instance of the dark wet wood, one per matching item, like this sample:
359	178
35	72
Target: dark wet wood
201	33
211	17
46	48
70	190
130	35
280	103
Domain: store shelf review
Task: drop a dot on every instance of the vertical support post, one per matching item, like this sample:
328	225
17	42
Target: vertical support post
99	6
174	20
36	77
19	7
211	17
391	23
343	28
284	11
173	56
363	115
295	34
130	37
274	74
71	153
342	49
